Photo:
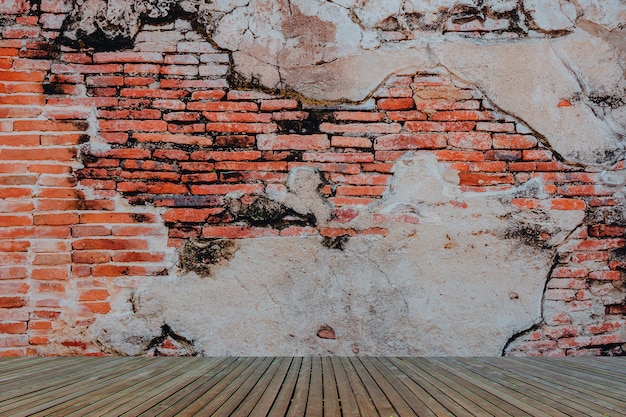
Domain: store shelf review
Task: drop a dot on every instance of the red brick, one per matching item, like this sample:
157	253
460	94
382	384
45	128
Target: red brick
241	127
537	155
251	166
15	220
496	127
567	204
352	201
411	141
473	179
360	116
110	244
87	257
350	142
222	189
12	302
293	142
39	325
173	138
152	188
136	230
462	115
27	76
226	156
470	140
138	257
337	157
396	103
13	328
603	230
606	275
504	141
51	273
278	104
52	259
238	117
365	128
439	126
558	332
131	125
237	232
190	215
55	219
126	57
93	295
361	190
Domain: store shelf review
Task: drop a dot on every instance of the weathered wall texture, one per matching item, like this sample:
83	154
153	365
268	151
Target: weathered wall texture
312	177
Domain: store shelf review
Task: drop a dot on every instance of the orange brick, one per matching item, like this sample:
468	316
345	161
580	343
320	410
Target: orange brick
56	219
13	328
190	215
365	128
360	116
411	141
38	340
237	232
421	126
293	142
97	307
470	140
485	179
461	115
241	127
396	103
93	295
361	190
51	273
567	204
12	302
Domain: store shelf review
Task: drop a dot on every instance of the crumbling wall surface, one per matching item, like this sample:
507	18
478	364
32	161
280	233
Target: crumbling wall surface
312	177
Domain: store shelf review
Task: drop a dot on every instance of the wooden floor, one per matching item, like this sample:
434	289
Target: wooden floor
328	386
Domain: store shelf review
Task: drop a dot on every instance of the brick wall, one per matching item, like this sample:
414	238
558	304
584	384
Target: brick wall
110	161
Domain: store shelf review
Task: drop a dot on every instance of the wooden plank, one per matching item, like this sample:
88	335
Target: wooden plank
281	405
157	392
111	396
537	387
315	404
363	400
17	368
252	398
301	392
422	401
376	395
331	396
271	394
227	401
179	400
523	402
450	399
230	380
395	398
484	399
565	391
349	407
70	389
56	375
592	379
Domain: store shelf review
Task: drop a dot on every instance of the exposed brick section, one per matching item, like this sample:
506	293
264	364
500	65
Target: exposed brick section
181	138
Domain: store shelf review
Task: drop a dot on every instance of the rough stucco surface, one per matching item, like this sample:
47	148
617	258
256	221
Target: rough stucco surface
412	292
535	57
460	248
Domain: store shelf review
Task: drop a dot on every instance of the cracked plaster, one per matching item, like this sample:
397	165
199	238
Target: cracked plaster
449	270
413	291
